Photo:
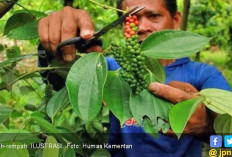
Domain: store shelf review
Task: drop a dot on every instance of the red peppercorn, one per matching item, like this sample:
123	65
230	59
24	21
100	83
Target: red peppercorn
136	22
132	33
134	17
127	18
131	20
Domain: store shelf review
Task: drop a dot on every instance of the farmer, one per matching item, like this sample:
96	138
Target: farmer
184	77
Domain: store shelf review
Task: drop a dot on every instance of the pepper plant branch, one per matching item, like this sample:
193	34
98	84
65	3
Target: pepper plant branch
107	50
38	70
25	9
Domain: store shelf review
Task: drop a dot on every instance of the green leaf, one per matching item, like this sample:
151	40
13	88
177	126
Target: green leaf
1	48
12	77
24	90
13	52
146	104
72	138
51	150
57	102
156	68
149	128
37	114
16	114
5	113
68	152
98	126
22	136
164	125
25	76
218	100
2	98
101	153
14	152
46	126
25	32
90	129
3	86
172	44
223	124
17	20
117	95
85	83
30	107
12	60
181	112
9	76
36	13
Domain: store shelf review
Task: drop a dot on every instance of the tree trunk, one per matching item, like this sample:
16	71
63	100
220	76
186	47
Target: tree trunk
5	7
184	22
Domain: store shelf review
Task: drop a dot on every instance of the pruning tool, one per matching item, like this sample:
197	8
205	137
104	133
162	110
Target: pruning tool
82	45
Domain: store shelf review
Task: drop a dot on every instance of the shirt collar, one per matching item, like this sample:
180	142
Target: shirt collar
178	62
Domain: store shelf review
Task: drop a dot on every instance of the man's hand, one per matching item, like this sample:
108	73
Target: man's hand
179	91
65	24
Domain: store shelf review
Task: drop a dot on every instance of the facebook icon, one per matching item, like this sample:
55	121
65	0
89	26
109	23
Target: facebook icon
215	141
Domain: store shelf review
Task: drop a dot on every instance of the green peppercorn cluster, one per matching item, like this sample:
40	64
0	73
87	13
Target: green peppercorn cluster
131	60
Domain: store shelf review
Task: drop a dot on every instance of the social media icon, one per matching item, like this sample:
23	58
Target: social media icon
228	141
216	141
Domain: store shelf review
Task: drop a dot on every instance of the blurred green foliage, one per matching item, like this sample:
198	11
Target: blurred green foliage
212	19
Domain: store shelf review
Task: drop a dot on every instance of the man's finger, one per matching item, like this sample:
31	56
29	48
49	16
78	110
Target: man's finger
68	30
183	86
43	33
169	93
95	49
85	24
55	21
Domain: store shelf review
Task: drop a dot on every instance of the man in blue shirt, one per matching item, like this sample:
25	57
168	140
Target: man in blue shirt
184	77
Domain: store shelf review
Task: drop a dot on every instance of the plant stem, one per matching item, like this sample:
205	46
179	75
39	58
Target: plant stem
25	9
50	68
107	50
38	70
106	6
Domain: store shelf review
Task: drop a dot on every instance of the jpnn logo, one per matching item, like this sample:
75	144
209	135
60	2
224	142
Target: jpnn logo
228	141
215	141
